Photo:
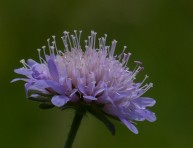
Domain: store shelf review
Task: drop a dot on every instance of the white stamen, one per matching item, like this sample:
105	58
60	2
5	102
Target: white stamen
144	86
145	78
48	40
100	45
89	41
86	42
39	54
107	48
77	39
80	32
44	50
66	34
93	38
122	53
105	36
64	39
52	50
113	46
125	59
54	43
137	64
24	63
92	34
74	41
133	74
60	52
145	89
103	42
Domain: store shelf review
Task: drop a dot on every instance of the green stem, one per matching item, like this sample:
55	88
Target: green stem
74	128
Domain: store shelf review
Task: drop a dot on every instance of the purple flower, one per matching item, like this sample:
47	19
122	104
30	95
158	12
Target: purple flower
91	76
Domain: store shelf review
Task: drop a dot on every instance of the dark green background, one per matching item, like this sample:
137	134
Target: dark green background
157	32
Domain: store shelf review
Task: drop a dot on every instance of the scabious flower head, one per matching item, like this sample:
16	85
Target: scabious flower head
94	75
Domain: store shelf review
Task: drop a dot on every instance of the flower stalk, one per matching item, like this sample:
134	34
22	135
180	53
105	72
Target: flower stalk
74	128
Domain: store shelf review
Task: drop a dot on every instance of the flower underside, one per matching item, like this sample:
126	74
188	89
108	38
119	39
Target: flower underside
91	76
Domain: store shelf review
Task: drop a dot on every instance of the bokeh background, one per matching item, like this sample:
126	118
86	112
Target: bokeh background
157	32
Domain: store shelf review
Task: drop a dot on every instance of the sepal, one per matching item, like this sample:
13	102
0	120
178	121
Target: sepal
46	106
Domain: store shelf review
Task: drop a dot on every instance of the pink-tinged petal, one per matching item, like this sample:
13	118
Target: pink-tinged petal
129	125
59	101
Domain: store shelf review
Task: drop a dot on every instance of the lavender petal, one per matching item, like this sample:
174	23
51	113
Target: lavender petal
129	125
59	101
143	102
53	69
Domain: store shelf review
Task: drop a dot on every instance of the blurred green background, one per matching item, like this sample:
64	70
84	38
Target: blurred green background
157	32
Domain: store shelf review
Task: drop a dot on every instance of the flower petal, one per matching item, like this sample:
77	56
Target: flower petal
129	125
46	84
59	101
134	114
54	86
53	70
82	88
23	71
31	62
148	115
143	102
